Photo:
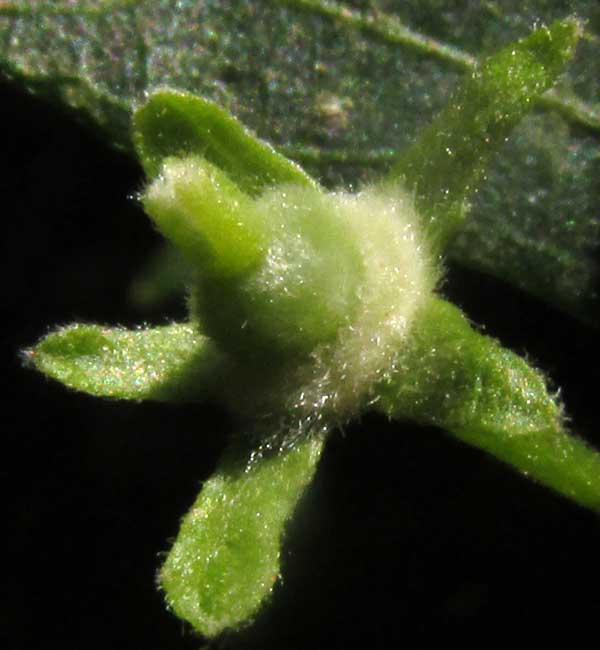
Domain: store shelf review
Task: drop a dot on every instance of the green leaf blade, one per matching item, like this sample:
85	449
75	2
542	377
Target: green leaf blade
465	382
170	363
225	560
176	124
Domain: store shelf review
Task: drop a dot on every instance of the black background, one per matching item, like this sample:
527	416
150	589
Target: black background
405	538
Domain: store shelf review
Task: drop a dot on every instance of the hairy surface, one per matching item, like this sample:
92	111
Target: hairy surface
397	275
324	294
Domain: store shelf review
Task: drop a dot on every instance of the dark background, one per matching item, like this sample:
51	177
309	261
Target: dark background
406	537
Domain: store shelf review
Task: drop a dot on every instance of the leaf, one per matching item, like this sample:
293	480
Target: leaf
225	560
342	89
170	363
488	396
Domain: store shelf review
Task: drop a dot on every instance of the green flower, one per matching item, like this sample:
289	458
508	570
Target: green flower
309	307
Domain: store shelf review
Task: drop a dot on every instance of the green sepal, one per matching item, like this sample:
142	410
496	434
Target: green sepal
225	560
467	383
169	363
171	123
552	457
446	162
455	377
212	222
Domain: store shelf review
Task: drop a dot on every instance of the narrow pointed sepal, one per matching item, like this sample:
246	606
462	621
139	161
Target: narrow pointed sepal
466	383
173	123
455	377
169	363
448	159
225	560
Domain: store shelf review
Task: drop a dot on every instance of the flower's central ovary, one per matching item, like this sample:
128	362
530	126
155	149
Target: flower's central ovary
397	276
310	294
